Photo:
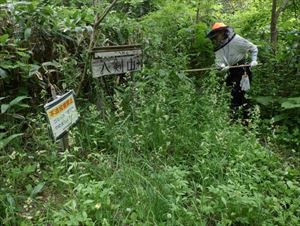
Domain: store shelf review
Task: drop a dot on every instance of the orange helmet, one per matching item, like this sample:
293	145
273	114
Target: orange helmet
215	28
218	25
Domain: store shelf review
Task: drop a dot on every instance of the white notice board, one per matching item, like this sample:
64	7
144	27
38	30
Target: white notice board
115	60
62	114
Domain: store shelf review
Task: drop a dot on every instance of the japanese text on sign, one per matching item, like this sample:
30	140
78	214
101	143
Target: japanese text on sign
116	61
62	114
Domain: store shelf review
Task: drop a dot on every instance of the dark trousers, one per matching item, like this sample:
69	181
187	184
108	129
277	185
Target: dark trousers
239	104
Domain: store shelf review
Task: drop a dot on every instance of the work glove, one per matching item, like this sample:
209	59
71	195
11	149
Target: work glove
253	63
245	83
224	67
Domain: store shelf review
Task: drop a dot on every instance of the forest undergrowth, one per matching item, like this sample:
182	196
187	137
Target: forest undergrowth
162	151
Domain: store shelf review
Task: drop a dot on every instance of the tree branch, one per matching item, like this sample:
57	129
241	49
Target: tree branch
105	13
97	22
282	7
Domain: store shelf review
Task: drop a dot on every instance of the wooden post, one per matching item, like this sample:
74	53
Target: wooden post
100	97
133	96
65	142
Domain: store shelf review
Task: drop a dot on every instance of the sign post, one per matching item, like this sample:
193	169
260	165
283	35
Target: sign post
116	60
113	60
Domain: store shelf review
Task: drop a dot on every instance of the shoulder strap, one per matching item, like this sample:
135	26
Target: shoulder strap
224	44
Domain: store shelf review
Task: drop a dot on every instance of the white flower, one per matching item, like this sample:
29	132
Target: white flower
97	206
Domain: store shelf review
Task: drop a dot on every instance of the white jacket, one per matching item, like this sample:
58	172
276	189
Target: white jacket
234	49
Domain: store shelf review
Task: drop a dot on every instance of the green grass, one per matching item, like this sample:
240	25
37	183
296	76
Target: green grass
164	154
176	162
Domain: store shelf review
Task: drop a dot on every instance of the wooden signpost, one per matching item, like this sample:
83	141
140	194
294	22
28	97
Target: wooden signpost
113	60
116	60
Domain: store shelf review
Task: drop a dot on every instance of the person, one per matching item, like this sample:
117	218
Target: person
231	50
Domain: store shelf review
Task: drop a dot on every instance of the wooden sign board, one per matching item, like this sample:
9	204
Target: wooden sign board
115	60
62	114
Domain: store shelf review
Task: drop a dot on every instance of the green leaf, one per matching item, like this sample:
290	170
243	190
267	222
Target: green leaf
3	73
67	182
265	100
280	117
23	54
29	168
37	189
24	105
5	141
2	134
3	38
54	64
17	100
224	201
7	64
4	108
10	200
34	69
18	116
28	188
27	33
289	103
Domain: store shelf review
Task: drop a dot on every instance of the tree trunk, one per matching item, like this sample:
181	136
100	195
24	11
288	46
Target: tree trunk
274	19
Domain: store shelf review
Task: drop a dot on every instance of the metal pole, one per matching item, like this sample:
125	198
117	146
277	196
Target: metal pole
214	68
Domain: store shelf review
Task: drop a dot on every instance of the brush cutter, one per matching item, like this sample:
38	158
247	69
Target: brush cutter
214	68
244	83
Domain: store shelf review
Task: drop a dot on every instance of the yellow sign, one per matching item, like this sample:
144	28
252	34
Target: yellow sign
61	107
62	114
